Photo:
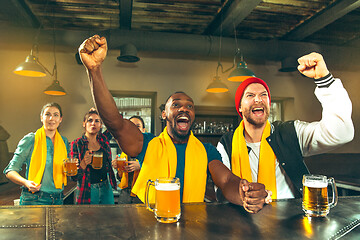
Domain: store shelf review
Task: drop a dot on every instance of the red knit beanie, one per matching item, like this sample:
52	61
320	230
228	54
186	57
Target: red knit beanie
242	87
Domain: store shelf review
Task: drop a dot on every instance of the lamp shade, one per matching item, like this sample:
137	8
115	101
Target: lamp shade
128	53
30	68
217	86
240	73
55	89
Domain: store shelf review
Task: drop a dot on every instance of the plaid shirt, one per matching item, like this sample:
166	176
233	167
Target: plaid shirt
78	148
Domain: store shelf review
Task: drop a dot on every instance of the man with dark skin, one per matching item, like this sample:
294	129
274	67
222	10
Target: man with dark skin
179	114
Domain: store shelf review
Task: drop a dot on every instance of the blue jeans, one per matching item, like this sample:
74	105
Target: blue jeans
101	193
41	198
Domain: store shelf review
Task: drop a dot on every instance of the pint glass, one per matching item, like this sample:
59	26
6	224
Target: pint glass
167	199
315	195
120	164
97	160
70	167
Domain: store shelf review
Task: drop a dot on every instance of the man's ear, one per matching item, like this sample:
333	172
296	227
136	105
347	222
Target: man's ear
163	115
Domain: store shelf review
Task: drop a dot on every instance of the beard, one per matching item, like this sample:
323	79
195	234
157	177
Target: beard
179	136
256	122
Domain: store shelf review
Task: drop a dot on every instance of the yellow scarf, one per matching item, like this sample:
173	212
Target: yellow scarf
38	159
125	176
161	161
240	164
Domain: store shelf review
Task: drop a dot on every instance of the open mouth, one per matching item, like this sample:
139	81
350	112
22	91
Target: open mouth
258	111
183	122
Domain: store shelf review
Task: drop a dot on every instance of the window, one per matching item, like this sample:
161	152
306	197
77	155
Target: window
276	111
135	103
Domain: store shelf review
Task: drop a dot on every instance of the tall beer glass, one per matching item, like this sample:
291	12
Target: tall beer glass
315	195
167	199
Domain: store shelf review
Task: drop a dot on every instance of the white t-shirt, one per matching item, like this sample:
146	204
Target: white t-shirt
333	130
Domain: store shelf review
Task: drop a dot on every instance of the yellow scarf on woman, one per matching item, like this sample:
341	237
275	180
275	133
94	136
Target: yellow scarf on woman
124	183
38	159
161	161
240	164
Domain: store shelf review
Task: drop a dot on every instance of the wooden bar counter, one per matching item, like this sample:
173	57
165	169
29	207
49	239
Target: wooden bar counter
279	220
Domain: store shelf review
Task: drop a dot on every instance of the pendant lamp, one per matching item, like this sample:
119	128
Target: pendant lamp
31	67
217	86
55	89
128	53
241	72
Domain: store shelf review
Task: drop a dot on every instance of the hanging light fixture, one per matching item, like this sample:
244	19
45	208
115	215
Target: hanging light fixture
128	53
31	67
241	72
217	86
55	89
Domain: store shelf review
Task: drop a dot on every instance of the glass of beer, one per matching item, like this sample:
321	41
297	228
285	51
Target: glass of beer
167	199
70	167
315	195
120	164
97	160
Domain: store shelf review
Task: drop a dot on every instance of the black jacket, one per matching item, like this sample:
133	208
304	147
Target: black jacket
285	144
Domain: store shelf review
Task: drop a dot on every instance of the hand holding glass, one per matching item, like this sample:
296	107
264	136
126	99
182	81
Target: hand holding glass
120	164
97	160
70	167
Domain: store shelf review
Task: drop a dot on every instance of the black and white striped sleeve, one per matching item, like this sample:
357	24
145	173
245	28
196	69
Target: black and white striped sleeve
325	81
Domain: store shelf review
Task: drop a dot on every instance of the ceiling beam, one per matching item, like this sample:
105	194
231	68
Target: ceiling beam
333	12
18	12
173	45
232	14
125	8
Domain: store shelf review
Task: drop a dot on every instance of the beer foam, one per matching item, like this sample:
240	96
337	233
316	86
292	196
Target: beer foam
315	184
167	186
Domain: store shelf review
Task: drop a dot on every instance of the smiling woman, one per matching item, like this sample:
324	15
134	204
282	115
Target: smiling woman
44	178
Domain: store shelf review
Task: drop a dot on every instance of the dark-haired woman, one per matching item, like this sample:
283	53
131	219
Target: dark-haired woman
94	186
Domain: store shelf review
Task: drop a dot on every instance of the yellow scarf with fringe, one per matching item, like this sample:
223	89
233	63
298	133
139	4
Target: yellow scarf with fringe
38	159
240	164
161	161
124	183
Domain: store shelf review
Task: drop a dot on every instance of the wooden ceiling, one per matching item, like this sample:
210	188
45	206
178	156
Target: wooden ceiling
330	22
